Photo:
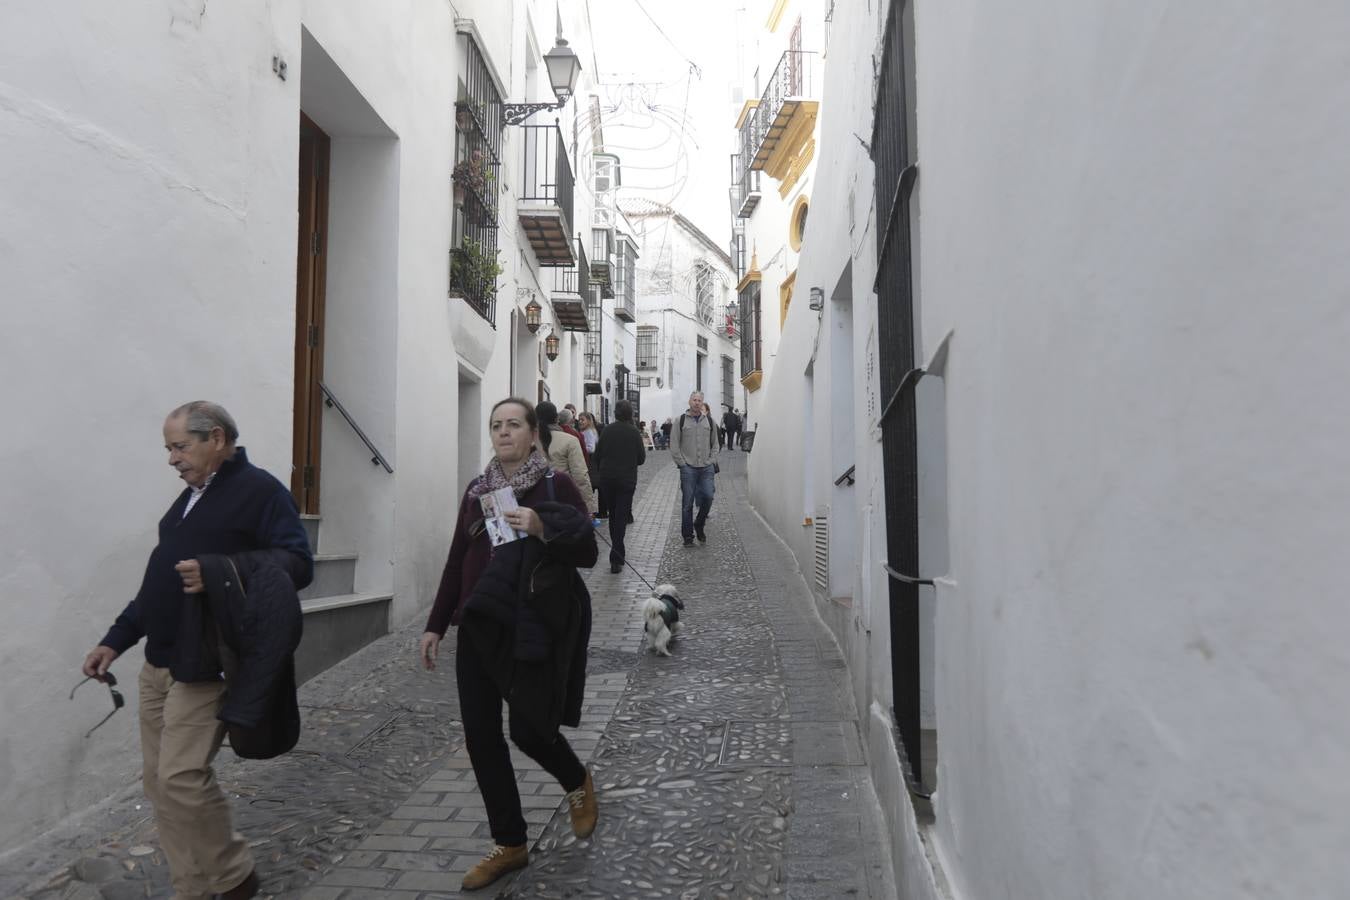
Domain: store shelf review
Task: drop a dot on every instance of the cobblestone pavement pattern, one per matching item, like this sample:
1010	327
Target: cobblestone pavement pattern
732	769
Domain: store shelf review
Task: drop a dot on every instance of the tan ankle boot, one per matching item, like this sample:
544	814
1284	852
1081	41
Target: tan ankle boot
584	809
499	862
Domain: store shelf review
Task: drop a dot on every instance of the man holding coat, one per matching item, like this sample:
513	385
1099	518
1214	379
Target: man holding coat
229	508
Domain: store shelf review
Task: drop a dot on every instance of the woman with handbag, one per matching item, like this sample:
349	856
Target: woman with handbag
564	452
524	620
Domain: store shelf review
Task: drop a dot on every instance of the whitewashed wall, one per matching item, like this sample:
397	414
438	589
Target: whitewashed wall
767	228
148	250
1137	647
148	259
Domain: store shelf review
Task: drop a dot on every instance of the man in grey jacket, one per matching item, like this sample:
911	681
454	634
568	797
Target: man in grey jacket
693	446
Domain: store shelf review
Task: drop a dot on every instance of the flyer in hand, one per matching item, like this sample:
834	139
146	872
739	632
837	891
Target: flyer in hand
495	507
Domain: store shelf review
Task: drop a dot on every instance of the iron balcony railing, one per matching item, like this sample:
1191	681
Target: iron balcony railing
739	258
625	280
575	279
591	366
748	308
728	326
792	82
602	260
745	188
633	393
547	176
571	292
474	268
476	185
479	105
478	136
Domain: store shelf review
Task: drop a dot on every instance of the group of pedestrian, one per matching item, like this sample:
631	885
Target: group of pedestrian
522	609
731	427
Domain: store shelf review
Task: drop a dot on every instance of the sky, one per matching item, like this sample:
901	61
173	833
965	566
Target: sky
667	70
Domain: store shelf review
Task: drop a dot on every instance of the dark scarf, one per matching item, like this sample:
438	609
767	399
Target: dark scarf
526	477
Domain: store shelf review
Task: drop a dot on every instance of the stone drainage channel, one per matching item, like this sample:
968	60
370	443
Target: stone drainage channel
732	769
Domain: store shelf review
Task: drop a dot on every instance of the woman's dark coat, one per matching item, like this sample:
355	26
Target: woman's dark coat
525	607
619	453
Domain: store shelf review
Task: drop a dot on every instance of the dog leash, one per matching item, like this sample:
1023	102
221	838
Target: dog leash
626	562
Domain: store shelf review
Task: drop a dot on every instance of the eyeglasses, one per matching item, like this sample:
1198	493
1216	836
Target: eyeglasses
118	700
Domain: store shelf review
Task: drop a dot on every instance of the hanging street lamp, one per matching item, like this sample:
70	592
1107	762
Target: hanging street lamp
564	67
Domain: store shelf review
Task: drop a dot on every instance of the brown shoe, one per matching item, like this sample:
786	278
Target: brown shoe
584	809
501	861
244	889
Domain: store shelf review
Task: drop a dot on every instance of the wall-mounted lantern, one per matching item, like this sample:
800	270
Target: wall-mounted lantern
564	67
532	312
817	299
551	347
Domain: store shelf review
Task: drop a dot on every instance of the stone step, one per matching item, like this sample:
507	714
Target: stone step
336	626
334	574
311	524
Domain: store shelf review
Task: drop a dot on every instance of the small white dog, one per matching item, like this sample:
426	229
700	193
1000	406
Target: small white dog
661	611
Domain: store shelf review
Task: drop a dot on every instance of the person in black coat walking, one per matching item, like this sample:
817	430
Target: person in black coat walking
525	618
618	454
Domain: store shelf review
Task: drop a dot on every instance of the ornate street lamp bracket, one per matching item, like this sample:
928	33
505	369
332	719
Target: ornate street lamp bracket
515	113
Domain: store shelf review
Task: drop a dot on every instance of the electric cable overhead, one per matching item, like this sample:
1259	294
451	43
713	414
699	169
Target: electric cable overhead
692	65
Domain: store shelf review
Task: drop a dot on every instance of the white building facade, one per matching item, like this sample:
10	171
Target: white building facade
686	334
772	175
1070	523
358	312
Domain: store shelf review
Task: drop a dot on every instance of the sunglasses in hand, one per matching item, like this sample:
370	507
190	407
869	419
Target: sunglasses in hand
118	700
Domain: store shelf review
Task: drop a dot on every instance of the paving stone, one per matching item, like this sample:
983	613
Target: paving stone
369	878
393	842
445	829
322	893
427	881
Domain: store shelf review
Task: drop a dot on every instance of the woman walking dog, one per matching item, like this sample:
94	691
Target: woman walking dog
524	619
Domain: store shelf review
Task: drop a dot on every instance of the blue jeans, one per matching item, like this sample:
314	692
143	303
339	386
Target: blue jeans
696	486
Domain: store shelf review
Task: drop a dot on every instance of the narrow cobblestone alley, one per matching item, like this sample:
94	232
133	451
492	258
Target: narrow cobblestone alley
732	769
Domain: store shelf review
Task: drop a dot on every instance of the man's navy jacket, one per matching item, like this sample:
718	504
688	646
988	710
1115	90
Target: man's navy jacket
243	511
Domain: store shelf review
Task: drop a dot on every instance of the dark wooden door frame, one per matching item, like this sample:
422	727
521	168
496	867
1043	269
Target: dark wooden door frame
310	284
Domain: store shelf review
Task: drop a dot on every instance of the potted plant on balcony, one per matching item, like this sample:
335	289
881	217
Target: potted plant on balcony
473	270
466	113
470	175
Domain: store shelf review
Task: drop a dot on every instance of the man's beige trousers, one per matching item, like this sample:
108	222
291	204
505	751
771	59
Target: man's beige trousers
180	736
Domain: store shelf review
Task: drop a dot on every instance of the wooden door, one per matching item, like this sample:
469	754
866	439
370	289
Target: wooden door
311	247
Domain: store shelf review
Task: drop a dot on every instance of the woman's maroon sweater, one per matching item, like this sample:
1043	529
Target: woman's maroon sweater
469	556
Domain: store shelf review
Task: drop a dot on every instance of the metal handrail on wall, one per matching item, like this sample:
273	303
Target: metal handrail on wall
332	401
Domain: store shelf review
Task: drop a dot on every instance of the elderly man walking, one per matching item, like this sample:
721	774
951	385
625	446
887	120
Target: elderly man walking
228	507
693	446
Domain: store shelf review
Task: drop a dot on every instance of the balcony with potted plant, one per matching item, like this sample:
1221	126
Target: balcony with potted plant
474	269
475	188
